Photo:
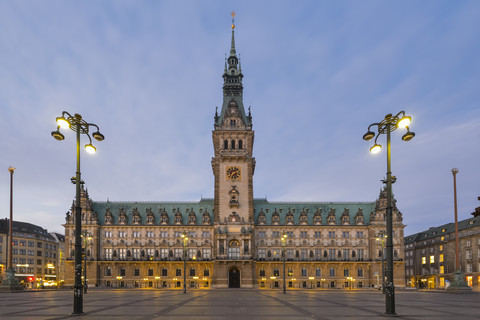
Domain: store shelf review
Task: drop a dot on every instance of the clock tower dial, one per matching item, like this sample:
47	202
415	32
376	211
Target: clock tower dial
233	173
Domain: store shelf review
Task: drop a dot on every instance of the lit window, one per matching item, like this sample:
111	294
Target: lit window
424	260
440	258
442	238
440	247
432	259
442	270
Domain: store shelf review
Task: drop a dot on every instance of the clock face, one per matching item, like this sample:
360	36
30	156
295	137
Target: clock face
233	173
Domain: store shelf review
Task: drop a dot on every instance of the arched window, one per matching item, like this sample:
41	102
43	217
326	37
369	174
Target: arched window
108	272
240	144
225	144
233	144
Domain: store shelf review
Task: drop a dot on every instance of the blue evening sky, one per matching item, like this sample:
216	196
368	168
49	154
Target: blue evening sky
317	73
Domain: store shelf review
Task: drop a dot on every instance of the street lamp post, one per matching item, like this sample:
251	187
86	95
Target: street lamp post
11	282
458	282
284	240
80	126
185	242
386	126
87	237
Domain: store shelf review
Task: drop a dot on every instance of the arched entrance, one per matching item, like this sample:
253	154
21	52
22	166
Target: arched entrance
234	278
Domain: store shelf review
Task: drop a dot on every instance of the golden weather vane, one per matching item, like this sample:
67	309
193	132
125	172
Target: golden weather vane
233	19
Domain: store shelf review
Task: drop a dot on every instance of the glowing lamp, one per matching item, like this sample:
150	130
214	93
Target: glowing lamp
62	122
376	148
404	122
90	148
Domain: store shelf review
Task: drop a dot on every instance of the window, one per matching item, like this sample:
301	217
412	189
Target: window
432	259
331	254
108	272
424	260
206	234
303	234
261	253
136	272
359	234
318	234
318	272
178	253
304	272
206	272
468	254
163	234
262	272
345	234
276	272
30	243
164	253
275	234
304	254
318	254
150	234
332	272
440	247
290	272
150	272
192	253
206	253
360	272
121	271
122	253
346	272
440	258
39	244
442	238
164	272
31	252
136	234
346	254
469	268
261	234
233	141
442	270
178	272
108	234
122	234
331	234
240	144
469	243
360	254
225	144
39	253
136	253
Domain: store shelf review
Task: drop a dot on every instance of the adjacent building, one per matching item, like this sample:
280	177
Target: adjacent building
234	239
430	255
34	254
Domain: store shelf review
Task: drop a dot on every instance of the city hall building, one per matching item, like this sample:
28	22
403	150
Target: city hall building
234	239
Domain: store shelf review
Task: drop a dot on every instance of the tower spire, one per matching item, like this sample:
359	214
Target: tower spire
233	52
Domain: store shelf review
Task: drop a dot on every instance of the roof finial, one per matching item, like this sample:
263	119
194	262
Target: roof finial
233	19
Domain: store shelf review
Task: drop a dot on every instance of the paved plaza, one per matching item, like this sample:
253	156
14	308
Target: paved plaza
237	304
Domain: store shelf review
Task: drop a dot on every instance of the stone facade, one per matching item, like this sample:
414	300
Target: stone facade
235	240
430	255
35	254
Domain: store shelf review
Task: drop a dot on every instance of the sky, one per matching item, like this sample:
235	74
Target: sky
317	74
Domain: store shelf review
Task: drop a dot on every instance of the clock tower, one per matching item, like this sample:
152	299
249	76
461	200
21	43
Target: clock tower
233	165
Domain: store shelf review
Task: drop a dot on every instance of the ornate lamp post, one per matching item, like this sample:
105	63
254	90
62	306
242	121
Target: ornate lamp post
386	126
87	237
284	242
80	126
185	242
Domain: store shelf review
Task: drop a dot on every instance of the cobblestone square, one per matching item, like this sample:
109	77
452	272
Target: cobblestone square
236	304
